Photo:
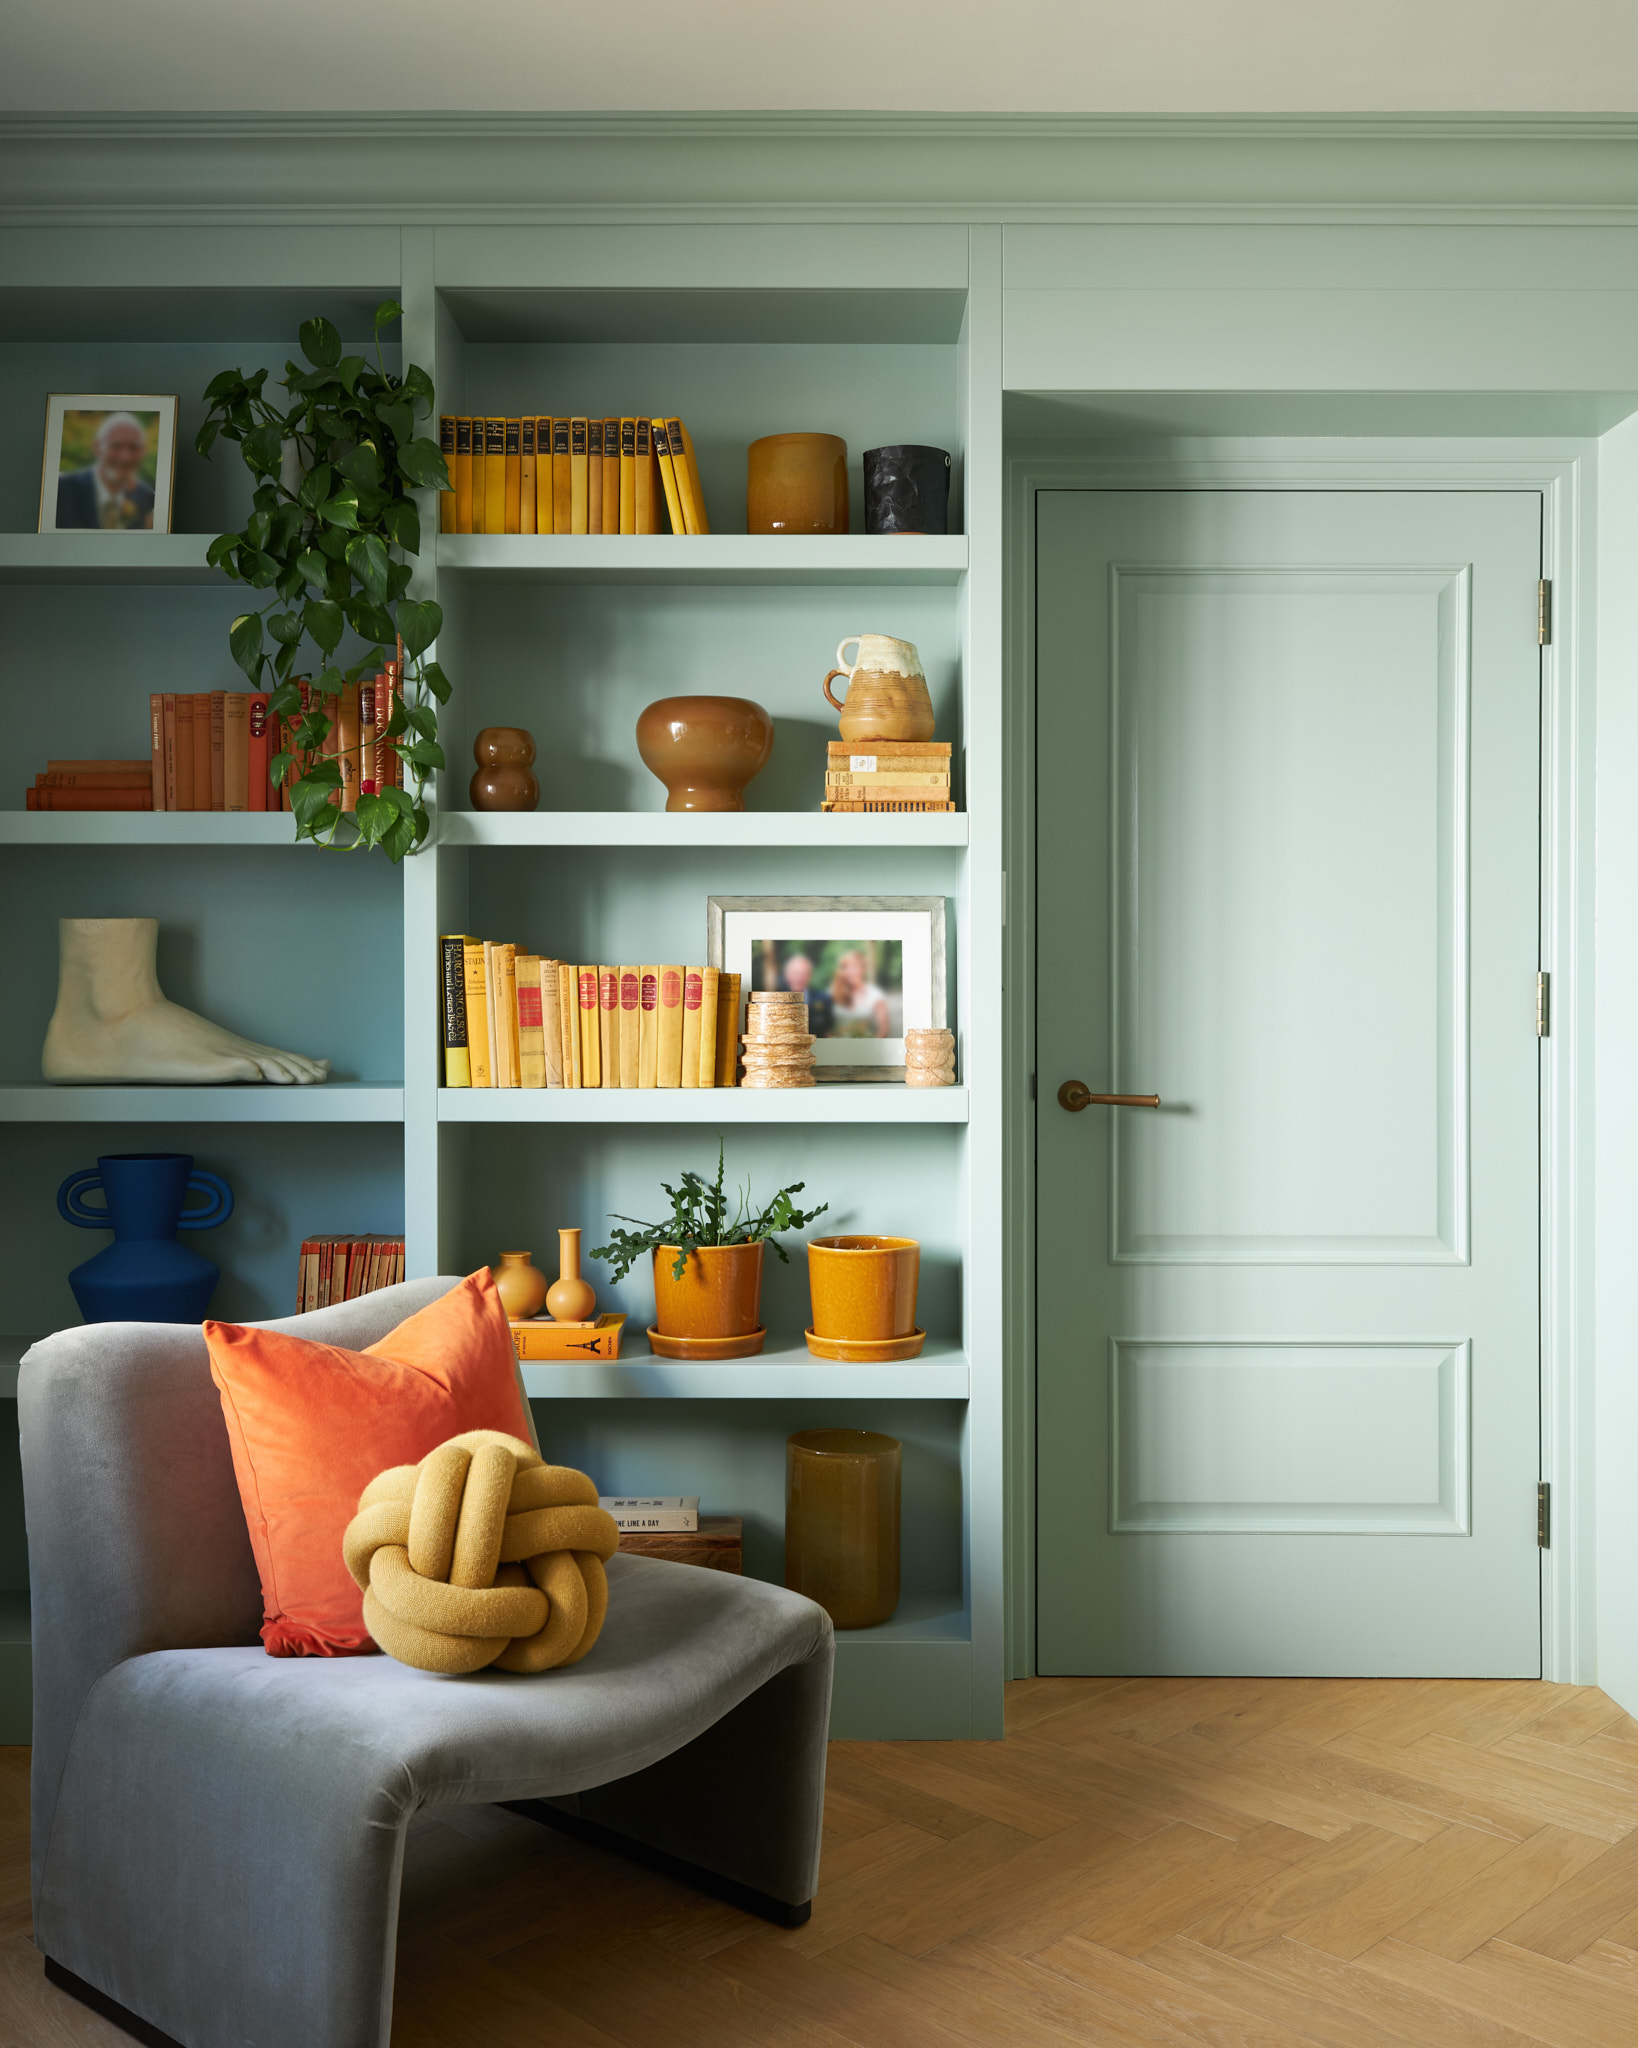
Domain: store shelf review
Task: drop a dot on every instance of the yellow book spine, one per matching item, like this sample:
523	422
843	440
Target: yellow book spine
501	1014
630	1026
562	478
668	1065
709	983
477	1015
668	479
514	475
728	1031
693	996
648	1035
551	1023
591	1064
543	476
463	476
628	476
526	477
608	1024
452	1008
647	483
688	477
611	476
494	476
446	447
568	1011
531	1024
594	476
577	476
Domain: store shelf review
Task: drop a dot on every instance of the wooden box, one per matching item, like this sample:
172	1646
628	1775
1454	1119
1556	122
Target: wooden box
718	1544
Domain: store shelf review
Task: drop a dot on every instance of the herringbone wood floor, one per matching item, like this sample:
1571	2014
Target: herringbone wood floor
1144	1863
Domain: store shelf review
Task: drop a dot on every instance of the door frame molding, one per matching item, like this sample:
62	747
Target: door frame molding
1565	473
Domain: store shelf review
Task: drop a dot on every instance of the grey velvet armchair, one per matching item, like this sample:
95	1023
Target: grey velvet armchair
218	1835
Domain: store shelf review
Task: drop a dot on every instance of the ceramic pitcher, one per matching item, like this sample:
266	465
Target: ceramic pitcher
887	692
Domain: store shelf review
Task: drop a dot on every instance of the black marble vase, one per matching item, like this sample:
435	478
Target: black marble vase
907	490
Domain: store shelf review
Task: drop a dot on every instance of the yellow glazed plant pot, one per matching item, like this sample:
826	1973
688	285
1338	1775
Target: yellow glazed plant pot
719	1295
863	1288
842	1523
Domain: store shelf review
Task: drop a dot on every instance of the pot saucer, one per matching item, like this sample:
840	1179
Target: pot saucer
867	1350
708	1347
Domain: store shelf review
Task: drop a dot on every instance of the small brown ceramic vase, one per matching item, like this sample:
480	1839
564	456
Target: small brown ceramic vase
570	1299
842	1523
521	1286
863	1287
504	779
796	483
887	696
705	749
718	1298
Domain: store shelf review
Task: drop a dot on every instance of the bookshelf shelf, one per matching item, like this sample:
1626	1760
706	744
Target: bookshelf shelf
873	1102
786	1370
147	828
902	559
333	1102
679	832
106	558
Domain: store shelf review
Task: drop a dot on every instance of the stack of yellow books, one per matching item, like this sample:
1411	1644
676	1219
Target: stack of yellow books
888	775
513	1019
550	475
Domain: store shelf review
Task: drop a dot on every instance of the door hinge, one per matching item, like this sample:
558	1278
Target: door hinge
1543	1000
1544	612
1544	1516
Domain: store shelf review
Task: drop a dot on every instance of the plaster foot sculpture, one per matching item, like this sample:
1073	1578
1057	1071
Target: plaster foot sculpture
112	1022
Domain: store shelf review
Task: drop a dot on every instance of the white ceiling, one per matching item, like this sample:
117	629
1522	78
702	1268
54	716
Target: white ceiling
1098	56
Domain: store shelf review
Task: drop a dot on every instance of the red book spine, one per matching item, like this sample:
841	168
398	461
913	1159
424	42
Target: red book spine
156	744
370	693
90	800
389	769
257	753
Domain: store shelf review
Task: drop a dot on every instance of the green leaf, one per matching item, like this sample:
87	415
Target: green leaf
286	627
371	622
362	464
245	641
402	520
421	718
315	569
263	450
341	507
205	439
285	699
256	529
367	558
398	419
323	620
223	385
436	681
284	525
310	799
386	313
222	549
419	622
315	486
423	463
418	387
320	343
423	753
349	370
290	584
264	570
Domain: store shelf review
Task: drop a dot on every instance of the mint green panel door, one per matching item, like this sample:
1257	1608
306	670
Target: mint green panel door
1288	854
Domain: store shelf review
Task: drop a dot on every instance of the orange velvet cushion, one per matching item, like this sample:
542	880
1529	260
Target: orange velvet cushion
312	1424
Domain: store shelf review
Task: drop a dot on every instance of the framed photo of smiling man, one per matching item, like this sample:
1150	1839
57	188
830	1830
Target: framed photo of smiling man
110	460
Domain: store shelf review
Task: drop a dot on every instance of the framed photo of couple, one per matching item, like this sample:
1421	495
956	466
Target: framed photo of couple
870	968
110	462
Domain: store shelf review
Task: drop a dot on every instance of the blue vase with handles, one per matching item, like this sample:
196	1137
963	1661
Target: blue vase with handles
145	1276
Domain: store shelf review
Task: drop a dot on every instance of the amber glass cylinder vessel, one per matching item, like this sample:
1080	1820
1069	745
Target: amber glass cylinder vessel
796	483
842	1523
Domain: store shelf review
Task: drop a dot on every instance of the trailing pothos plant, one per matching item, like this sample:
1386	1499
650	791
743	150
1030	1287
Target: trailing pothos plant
700	1216
330	536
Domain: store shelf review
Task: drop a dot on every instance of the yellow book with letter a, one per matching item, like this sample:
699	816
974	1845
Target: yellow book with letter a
608	1024
543	476
628	476
709	980
668	1066
611	476
728	1031
648	1034
462	473
693	997
578	476
540	1337
594	476
526	476
591	1062
514	475
531	1023
630	1026
477	1015
494	476
446	448
562	478
668	479
688	477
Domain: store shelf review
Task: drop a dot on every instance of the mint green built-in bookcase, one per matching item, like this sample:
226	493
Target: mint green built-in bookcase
878	334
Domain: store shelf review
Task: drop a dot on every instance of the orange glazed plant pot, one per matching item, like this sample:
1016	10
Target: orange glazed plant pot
863	1288
719	1295
705	749
796	483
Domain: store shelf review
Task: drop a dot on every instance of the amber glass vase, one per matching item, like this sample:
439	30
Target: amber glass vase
842	1523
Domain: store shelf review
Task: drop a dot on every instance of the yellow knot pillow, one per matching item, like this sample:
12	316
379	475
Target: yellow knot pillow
482	1554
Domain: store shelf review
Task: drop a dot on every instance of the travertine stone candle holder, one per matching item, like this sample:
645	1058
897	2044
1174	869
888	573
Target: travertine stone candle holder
778	1044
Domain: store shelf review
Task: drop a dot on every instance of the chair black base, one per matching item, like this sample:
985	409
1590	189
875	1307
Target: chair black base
109	2008
694	1875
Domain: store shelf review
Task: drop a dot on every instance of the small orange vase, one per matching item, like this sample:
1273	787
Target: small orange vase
521	1286
719	1295
863	1288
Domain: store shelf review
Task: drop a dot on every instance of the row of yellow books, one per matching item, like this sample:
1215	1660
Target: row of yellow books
545	475
513	1019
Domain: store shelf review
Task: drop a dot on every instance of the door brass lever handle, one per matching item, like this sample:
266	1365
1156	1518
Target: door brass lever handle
1076	1095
